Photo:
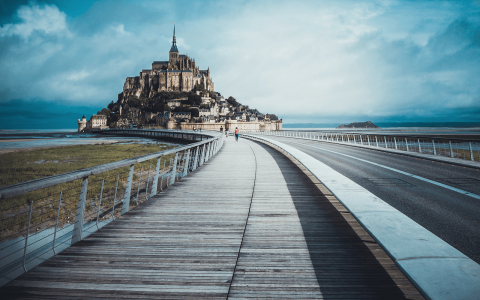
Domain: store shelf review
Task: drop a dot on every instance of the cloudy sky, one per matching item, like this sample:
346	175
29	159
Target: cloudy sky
306	61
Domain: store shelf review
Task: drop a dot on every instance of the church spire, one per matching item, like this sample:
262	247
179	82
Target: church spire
174	41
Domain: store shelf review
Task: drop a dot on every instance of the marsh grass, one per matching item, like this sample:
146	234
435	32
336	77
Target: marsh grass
24	166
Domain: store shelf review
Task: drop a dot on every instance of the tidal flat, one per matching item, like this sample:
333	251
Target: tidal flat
16	167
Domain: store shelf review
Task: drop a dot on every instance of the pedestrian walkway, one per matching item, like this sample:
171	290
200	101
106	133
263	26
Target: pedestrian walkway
248	224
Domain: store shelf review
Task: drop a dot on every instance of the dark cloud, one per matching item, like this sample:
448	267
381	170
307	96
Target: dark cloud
309	60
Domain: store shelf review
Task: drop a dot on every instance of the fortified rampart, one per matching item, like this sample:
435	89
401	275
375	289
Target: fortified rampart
226	125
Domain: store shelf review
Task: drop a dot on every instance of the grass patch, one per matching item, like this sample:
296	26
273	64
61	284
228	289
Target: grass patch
24	166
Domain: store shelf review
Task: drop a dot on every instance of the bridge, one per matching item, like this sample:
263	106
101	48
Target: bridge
267	217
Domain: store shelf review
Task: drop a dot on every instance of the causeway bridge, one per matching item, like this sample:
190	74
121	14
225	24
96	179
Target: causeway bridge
275	216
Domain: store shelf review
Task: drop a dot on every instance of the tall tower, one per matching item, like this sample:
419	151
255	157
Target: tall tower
173	55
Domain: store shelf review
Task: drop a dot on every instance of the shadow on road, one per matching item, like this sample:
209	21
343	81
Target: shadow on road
344	266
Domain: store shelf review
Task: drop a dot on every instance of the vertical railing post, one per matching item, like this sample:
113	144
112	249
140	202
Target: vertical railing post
138	186
26	235
185	166
100	201
115	197
148	180
195	159
471	151
386	145
202	158
174	170
209	148
368	139
406	143
451	149
78	226
419	147
434	151
128	191
163	174
153	190
56	223
395	141
376	140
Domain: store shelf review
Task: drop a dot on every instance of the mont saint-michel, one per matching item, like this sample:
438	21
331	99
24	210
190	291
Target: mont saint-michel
177	94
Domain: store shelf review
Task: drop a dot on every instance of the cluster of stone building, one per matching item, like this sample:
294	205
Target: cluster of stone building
95	122
179	74
217	115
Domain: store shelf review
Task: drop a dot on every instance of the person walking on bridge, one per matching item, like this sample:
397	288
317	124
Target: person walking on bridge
236	133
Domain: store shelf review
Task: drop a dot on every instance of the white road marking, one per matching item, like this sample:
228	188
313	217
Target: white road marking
401	172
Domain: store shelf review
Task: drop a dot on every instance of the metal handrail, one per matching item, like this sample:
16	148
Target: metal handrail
36	184
465	150
23	254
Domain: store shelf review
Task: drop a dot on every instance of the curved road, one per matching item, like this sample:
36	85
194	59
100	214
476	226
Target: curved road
447	213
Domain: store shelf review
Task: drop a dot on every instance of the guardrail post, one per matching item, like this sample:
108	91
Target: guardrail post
115	197
419	147
128	191
148	180
471	151
174	170
185	166
153	190
395	141
434	151
406	143
368	139
163	175
195	160
451	149
78	226
99	203
386	145
210	149
56	224
376	140
138	186
26	235
202	157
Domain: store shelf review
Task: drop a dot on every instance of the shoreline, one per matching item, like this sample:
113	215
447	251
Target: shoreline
25	149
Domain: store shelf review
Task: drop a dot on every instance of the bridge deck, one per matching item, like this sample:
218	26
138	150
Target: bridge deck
248	224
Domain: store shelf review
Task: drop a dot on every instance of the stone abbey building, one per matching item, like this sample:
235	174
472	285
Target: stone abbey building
178	73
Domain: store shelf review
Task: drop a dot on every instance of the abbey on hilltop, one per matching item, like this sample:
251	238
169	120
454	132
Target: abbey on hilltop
176	94
178	73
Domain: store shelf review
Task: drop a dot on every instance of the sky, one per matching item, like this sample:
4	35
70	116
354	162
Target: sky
305	61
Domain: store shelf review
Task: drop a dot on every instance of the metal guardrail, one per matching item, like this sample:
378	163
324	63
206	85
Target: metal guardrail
437	269
453	148
42	217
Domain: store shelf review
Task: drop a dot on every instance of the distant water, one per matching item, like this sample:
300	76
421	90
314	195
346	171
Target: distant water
18	139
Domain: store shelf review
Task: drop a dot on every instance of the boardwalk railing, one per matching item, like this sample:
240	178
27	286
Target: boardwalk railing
453	148
42	217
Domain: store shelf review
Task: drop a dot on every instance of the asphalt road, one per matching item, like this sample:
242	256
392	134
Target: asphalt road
452	216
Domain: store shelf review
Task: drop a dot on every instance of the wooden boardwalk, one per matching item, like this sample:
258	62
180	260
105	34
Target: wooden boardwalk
247	224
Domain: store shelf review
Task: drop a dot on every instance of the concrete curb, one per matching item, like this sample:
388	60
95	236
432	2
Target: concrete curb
438	270
442	159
